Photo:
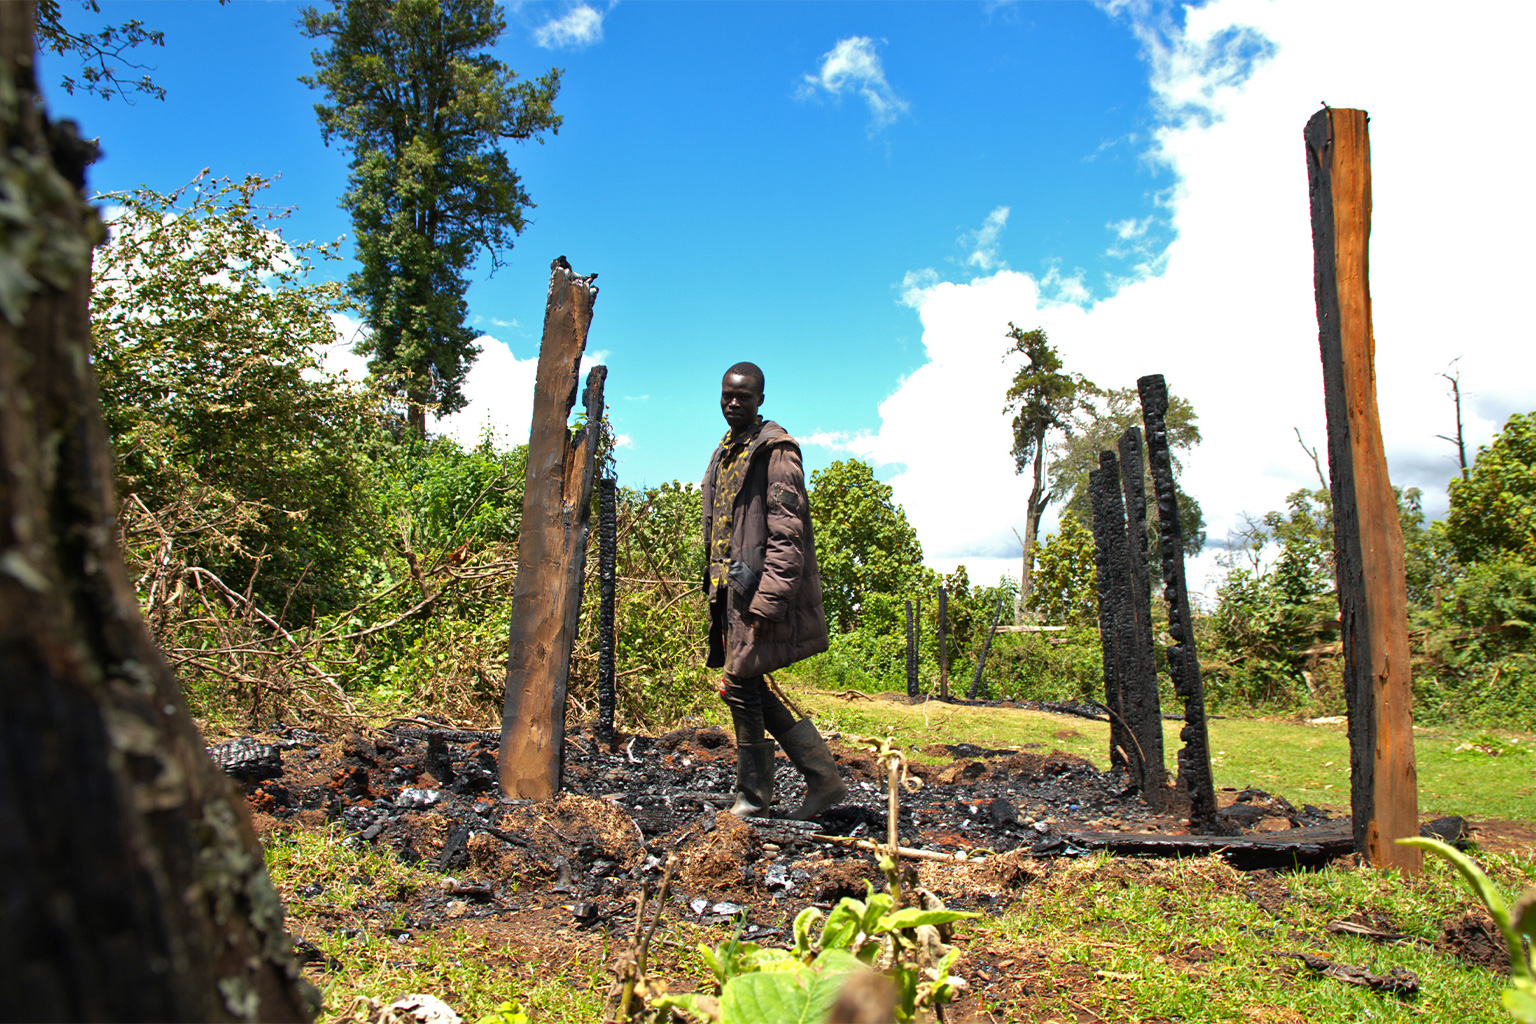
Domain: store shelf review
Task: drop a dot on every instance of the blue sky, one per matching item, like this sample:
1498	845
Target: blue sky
861	196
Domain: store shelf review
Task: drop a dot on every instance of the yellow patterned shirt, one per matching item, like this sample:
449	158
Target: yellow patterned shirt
730	474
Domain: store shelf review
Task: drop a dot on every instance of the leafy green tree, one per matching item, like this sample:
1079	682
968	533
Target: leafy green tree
1042	399
864	544
205	335
1493	511
1066	584
1098	429
424	107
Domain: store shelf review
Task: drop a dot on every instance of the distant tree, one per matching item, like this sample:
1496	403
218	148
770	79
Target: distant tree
1042	399
1098	429
864	544
424	107
1493	510
101	53
1066	583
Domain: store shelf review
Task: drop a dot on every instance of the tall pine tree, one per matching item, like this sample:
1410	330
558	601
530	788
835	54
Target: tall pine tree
424	109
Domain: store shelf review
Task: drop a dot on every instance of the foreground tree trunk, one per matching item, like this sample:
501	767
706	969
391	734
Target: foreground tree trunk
131	884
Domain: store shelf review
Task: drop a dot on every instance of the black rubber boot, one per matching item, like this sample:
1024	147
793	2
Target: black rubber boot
754	779
823	783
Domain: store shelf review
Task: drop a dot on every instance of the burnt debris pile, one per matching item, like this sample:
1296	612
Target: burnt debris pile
429	796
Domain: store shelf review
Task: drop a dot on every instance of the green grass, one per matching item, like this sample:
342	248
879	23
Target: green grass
472	974
1195	940
1472	772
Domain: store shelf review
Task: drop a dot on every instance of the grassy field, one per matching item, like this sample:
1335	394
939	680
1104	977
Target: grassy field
1094	939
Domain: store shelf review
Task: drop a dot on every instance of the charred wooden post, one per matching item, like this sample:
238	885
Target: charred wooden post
1367	538
1115	638
552	546
1183	661
1146	712
912	690
981	662
607	564
943	645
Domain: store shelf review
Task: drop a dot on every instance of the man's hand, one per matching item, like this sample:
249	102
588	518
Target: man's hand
720	686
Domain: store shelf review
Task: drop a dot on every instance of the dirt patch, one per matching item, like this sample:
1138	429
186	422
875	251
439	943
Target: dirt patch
1475	939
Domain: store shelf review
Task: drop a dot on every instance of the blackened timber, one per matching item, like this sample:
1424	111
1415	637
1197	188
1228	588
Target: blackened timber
1183	661
607	562
981	662
943	644
911	654
1367	537
1144	707
1310	847
1110	562
552	544
917	646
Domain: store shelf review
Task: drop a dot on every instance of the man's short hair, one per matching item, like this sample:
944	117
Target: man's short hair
751	370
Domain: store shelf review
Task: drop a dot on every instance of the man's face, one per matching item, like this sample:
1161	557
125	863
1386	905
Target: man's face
739	400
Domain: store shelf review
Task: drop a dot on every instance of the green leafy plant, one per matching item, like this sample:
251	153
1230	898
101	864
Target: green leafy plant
764	985
761	985
1517	924
506	1013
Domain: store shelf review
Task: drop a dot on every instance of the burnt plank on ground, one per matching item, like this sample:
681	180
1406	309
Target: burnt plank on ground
1311	845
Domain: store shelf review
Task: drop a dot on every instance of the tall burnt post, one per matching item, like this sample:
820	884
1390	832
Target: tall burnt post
911	654
1116	635
943	645
607	567
552	545
1183	662
981	661
1146	712
1367	537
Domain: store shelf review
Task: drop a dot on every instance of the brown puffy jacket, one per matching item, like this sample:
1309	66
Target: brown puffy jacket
771	533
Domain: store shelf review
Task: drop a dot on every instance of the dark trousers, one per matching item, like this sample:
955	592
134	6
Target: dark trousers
755	707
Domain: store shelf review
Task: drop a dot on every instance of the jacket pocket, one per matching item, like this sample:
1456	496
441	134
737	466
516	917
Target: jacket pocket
742	579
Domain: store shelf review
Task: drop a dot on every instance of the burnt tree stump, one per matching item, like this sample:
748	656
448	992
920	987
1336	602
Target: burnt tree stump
981	661
943	645
552	545
912	688
1183	661
1146	712
1116	634
1367	537
607	567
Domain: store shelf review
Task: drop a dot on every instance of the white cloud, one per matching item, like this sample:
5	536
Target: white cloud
854	66
337	358
579	27
1226	311
1125	230
499	389
983	242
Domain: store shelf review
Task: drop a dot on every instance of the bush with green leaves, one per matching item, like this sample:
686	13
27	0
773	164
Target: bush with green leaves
206	329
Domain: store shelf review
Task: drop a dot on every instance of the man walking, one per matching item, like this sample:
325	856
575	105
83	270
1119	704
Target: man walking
765	608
